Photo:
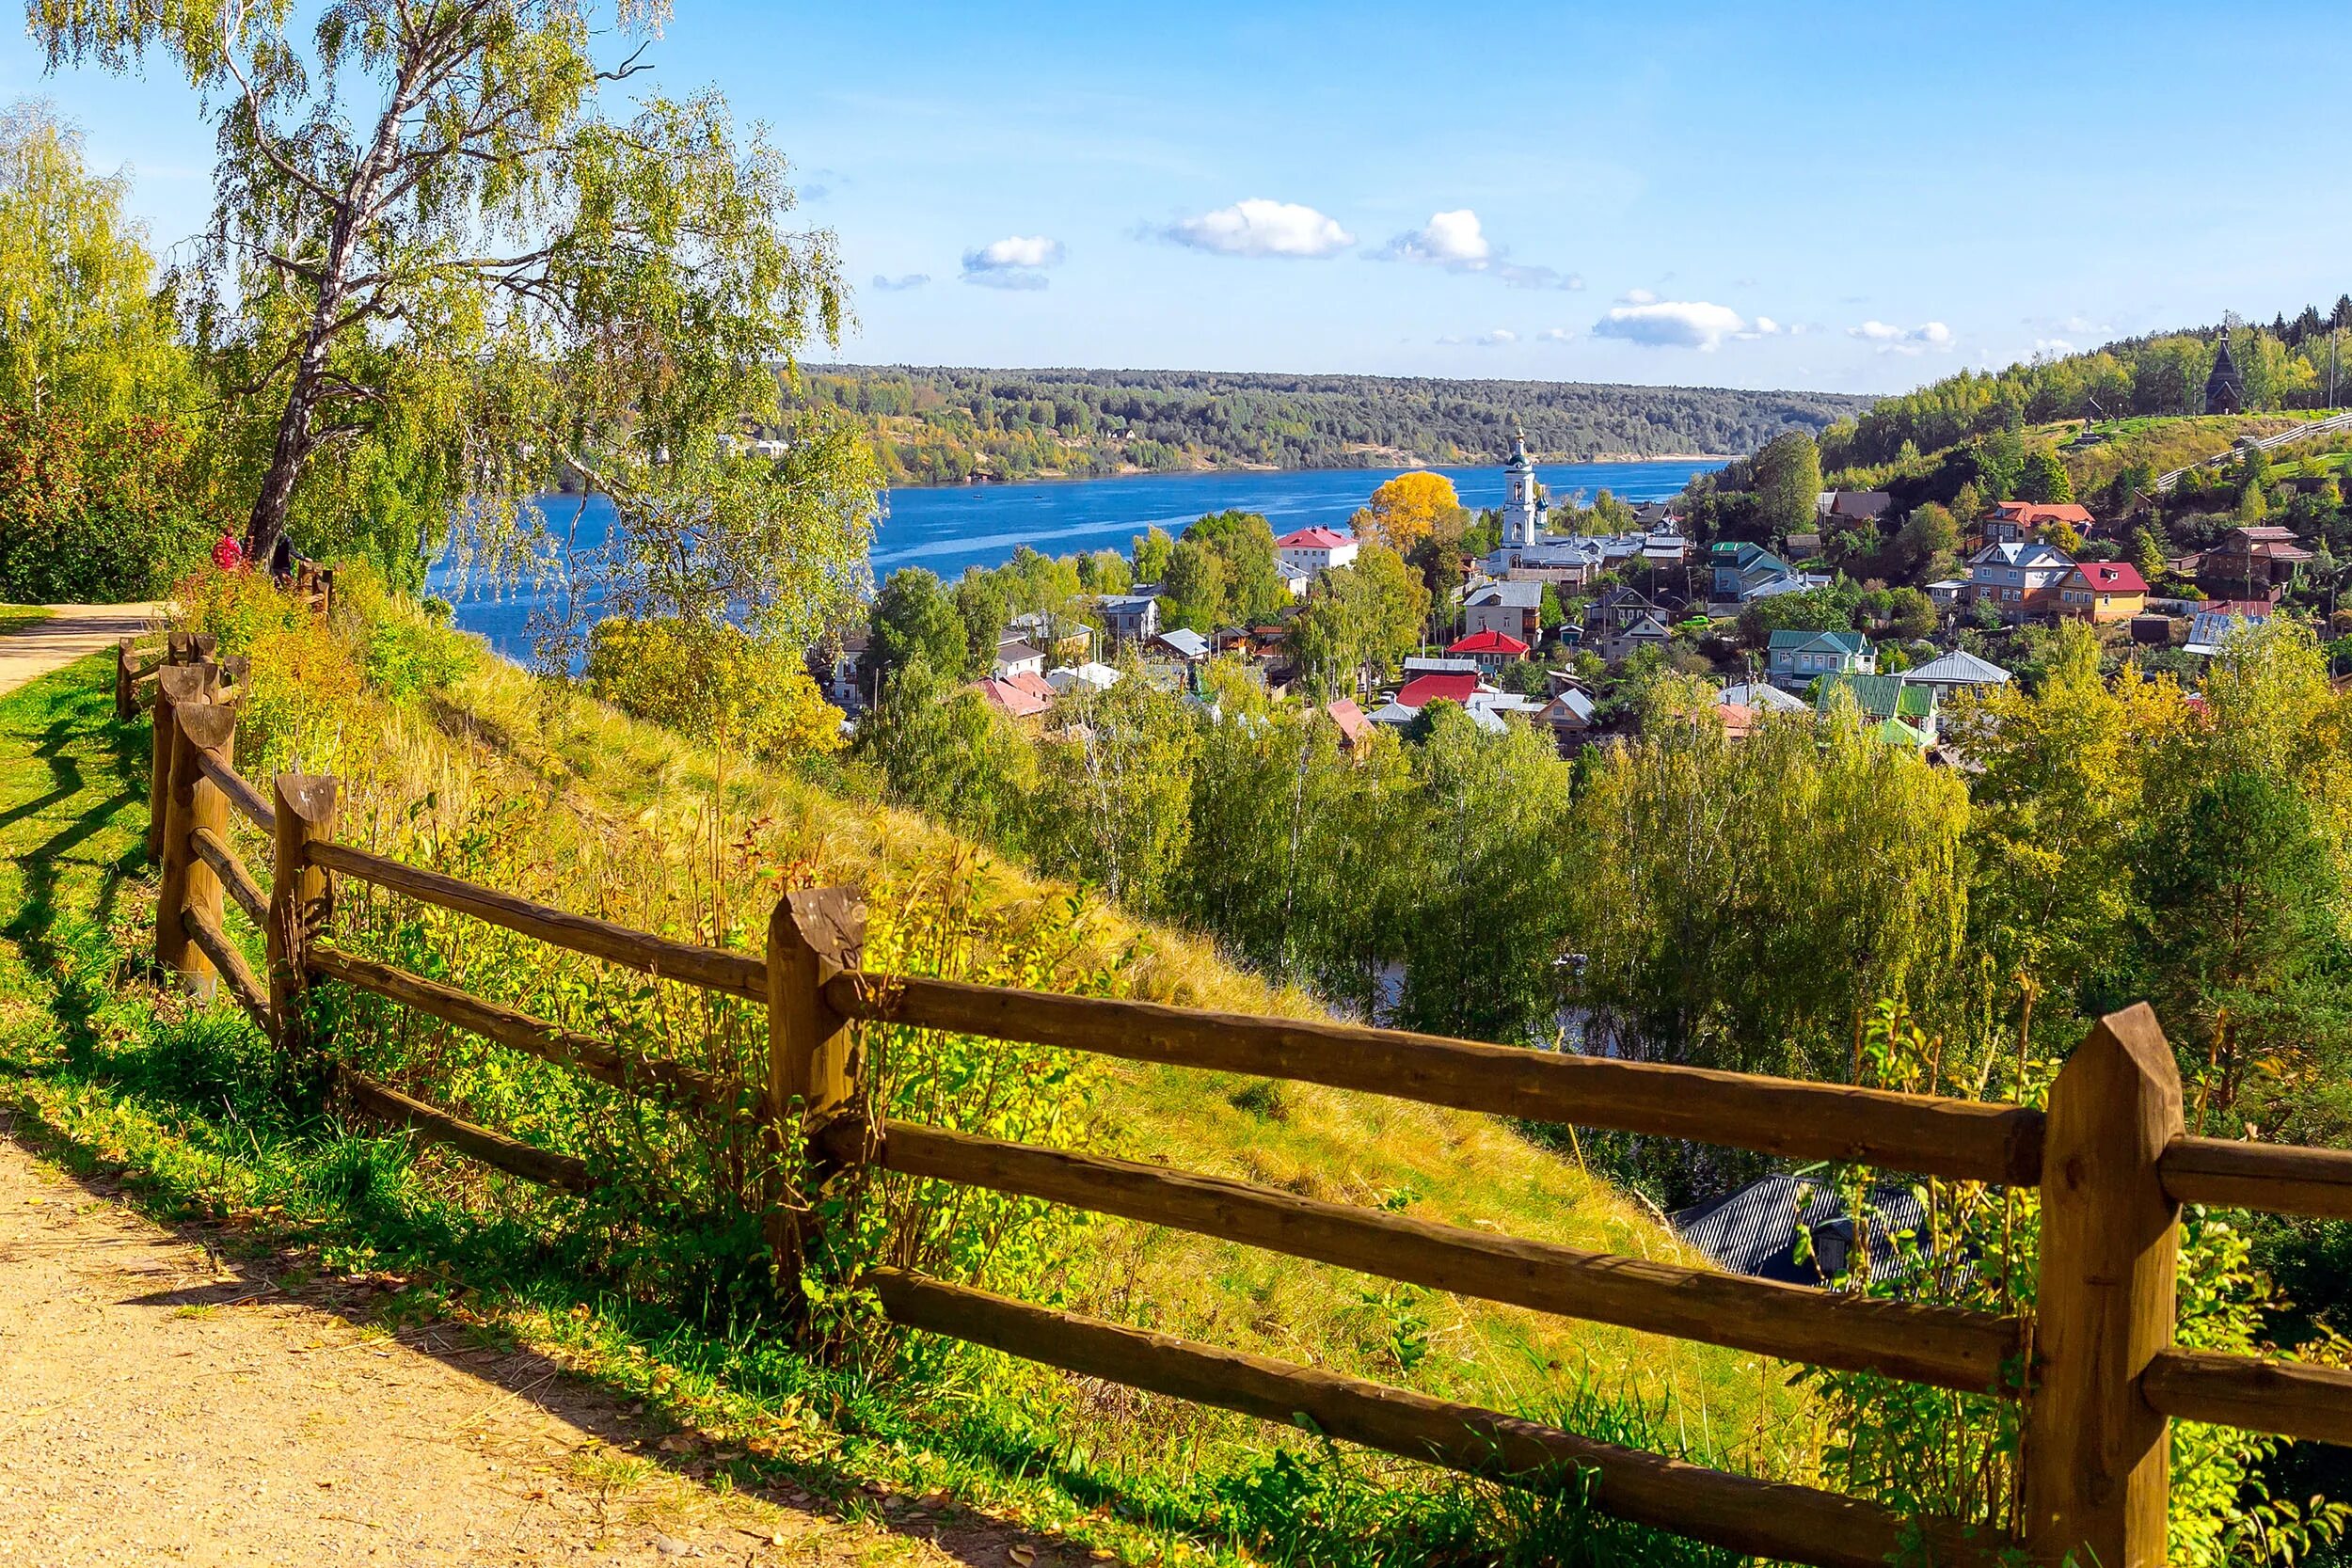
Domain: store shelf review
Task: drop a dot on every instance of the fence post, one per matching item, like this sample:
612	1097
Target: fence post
2096	1458
298	895
812	1068
186	883
174	684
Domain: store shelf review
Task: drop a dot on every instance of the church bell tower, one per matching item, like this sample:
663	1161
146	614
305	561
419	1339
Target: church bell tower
1523	511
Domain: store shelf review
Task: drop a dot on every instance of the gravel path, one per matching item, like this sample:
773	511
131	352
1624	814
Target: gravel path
157	1406
73	631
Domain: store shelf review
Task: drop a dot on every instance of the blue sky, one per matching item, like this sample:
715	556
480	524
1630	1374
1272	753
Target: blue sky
1843	197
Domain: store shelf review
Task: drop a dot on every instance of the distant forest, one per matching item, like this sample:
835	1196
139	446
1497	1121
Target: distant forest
943	426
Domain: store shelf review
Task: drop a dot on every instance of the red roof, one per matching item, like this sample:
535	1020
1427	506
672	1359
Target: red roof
1422	690
1313	539
2030	512
2112	577
1489	641
1023	696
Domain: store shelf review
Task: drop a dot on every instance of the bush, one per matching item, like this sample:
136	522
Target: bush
712	679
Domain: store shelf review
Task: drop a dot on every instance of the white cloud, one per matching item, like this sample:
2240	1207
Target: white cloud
1456	242
1016	262
1449	239
898	285
1896	339
1672	323
1261	228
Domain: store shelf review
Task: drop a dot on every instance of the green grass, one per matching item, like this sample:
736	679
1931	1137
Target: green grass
16	617
192	1110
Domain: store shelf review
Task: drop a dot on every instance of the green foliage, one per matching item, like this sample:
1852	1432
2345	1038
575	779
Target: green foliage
103	479
914	617
712	678
610	289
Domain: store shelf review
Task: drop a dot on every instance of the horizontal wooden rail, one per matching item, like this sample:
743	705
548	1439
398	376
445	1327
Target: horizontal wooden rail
241	795
1963	1139
736	974
213	851
386	1104
1770	1519
1945	1346
235	971
521	1031
2274	1179
2292	1399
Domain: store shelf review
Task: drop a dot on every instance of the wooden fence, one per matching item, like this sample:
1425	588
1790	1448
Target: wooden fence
2109	1155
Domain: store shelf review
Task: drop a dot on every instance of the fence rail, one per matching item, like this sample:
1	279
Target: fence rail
2094	1367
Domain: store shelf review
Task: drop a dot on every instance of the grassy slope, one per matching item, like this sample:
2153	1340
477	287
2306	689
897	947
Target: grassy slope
78	1053
1445	1165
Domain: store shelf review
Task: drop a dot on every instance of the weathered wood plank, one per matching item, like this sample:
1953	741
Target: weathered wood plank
2271	1178
1940	1345
2292	1399
386	1104
241	794
524	1032
242	890
1770	1519
734	974
235	971
2096	1472
1966	1140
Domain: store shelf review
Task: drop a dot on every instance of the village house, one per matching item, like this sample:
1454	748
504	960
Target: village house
2250	564
1024	696
1619	644
1742	572
1315	550
1795	659
1130	617
1093	678
1762	697
2020	579
1016	657
1569	717
1882	698
2015	522
1183	645
2103	590
1852	506
1956	671
1488	650
1515	608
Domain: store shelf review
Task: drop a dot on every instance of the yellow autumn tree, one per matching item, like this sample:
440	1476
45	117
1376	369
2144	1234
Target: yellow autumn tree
1406	509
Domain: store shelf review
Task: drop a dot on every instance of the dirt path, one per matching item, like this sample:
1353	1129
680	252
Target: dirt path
74	632
157	1406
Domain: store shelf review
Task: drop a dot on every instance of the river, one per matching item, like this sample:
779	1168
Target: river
948	527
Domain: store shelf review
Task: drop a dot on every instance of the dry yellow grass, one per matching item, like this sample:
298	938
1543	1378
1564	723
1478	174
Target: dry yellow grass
618	820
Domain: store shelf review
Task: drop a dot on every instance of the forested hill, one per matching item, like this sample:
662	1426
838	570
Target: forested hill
942	425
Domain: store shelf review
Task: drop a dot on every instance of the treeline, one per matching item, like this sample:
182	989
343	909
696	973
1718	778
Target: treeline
2291	364
934	425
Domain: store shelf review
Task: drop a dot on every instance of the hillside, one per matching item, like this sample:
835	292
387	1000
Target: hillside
454	758
936	425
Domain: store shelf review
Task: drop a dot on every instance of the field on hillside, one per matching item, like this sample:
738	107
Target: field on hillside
473	766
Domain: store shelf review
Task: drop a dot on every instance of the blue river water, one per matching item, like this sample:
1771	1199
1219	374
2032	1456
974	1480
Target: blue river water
948	527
